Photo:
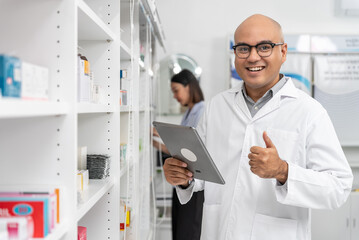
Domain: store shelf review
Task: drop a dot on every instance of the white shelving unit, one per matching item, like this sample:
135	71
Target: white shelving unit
139	44
39	140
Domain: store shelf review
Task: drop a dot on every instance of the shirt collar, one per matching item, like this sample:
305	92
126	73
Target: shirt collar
287	89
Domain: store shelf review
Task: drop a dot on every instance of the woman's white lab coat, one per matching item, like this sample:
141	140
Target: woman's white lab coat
248	207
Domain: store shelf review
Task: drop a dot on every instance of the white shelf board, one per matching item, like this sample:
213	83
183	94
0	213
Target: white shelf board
97	189
20	108
83	107
57	233
91	26
125	51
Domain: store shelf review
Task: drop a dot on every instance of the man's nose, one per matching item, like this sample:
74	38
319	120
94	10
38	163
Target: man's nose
253	55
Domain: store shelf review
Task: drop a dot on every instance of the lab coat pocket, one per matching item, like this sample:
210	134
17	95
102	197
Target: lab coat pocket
211	222
272	228
286	143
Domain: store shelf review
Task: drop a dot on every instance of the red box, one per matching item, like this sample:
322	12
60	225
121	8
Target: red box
34	209
81	233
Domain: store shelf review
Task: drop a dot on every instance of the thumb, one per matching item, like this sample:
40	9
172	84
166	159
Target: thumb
267	140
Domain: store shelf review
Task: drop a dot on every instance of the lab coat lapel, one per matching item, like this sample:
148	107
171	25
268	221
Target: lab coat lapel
230	98
288	90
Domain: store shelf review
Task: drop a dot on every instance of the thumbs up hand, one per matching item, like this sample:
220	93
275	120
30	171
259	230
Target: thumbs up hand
265	162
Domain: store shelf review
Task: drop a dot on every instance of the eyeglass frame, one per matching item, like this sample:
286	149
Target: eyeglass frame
256	46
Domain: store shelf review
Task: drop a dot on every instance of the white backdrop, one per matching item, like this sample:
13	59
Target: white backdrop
199	28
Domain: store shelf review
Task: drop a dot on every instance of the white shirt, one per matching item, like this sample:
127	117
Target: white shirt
248	207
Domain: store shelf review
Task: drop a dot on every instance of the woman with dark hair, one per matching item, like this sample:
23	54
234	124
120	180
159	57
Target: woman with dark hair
186	219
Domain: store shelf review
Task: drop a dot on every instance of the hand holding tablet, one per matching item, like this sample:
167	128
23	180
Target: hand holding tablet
184	144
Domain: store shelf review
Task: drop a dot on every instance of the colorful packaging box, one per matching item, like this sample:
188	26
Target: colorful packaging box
81	233
21	228
36	206
84	85
10	76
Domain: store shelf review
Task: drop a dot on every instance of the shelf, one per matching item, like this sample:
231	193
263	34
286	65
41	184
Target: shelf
20	108
94	108
90	26
57	233
97	189
125	51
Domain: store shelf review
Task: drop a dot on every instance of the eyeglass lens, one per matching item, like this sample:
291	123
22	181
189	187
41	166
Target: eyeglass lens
263	50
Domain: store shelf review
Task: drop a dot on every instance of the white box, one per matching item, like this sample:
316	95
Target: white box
82	158
84	84
35	82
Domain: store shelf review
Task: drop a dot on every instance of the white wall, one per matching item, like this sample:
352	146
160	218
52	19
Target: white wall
200	28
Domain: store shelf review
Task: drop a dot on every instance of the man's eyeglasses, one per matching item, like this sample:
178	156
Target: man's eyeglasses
242	50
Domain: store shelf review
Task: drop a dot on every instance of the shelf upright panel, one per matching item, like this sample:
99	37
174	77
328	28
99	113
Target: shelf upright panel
91	26
98	124
38	144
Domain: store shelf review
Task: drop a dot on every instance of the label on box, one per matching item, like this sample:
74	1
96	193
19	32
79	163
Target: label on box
10	76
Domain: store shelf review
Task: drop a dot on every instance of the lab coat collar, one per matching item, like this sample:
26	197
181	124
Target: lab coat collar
288	90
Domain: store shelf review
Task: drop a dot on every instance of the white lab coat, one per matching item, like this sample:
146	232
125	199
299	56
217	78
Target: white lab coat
248	207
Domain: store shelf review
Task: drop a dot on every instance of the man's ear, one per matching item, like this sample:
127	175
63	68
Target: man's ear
284	52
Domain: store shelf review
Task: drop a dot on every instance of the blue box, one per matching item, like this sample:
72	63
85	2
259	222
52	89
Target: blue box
10	76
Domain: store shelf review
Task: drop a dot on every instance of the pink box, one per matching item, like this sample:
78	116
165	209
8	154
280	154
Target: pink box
81	233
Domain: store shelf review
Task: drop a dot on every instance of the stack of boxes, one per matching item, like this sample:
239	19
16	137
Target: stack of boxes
27	215
19	79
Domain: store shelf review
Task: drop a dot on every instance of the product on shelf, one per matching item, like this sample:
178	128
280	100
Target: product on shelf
123	88
35	82
19	228
125	215
123	97
40	207
98	166
123	151
82	158
84	83
81	233
82	180
10	76
19	79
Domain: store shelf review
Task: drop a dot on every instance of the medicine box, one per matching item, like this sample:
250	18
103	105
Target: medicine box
39	207
84	83
35	82
81	233
82	158
10	76
21	228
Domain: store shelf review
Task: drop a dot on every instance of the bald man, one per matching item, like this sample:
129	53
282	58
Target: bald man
274	145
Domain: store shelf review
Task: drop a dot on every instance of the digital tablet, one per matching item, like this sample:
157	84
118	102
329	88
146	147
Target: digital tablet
185	144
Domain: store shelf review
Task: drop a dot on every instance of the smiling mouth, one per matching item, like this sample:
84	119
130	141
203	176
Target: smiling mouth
255	69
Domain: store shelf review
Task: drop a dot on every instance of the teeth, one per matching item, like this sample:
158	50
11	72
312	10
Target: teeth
255	68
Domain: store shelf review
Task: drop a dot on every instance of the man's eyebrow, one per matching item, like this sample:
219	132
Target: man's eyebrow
263	41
